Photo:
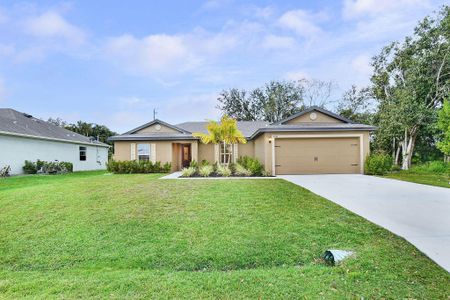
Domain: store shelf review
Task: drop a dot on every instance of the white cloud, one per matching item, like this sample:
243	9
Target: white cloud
263	12
153	53
361	64
296	75
358	8
163	54
278	42
52	25
302	22
192	107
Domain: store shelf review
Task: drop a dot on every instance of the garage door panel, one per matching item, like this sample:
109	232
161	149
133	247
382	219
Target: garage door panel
317	155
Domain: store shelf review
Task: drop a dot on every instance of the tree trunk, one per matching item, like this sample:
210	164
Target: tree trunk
397	154
393	151
408	148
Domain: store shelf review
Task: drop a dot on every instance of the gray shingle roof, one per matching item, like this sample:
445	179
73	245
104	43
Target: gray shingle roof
17	123
302	127
248	128
157	136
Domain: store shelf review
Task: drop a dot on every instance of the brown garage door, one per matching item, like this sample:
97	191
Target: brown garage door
317	155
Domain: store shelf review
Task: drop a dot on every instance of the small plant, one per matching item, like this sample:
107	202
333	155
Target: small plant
251	164
5	171
378	164
193	164
204	163
266	174
223	171
30	167
188	172
205	171
167	167
437	167
241	171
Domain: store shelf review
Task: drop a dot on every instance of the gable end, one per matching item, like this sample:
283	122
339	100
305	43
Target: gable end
156	126
314	114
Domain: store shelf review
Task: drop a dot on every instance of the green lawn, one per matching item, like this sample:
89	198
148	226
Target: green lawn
435	179
133	236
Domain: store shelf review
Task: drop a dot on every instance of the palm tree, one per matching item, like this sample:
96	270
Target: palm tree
225	133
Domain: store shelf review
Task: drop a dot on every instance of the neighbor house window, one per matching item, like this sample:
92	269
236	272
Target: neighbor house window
225	153
83	153
143	151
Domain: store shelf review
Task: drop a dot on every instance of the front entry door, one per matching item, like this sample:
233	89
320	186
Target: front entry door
185	155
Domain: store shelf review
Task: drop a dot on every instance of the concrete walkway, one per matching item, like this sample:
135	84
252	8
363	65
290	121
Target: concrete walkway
419	213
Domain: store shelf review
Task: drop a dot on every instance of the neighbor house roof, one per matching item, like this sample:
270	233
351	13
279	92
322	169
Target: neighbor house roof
250	129
16	123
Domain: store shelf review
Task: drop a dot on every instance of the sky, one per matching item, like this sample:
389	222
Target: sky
113	62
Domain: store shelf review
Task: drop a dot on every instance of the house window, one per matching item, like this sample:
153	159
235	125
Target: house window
143	151
225	153
83	152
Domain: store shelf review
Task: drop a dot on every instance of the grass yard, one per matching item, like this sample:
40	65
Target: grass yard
133	236
441	180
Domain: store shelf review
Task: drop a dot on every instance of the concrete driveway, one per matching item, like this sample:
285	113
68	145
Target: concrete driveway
419	213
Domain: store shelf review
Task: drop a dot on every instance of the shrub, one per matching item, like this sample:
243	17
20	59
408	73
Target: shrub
5	171
266	173
133	166
193	164
224	171
39	164
205	171
437	167
241	171
188	172
396	168
251	164
167	167
30	167
46	167
67	165
204	163
377	164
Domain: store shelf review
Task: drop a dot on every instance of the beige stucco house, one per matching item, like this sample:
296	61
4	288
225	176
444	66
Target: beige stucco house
313	141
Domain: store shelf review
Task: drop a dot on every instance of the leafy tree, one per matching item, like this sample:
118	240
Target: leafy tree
357	105
100	132
410	81
274	101
224	133
444	125
57	122
316	92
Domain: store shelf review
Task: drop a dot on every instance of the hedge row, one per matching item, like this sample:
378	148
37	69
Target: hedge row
134	166
47	167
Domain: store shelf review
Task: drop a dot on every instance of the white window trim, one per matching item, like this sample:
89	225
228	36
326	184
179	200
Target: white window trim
133	151
147	154
85	153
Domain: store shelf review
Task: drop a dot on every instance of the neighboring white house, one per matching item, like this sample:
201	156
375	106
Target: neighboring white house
23	137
